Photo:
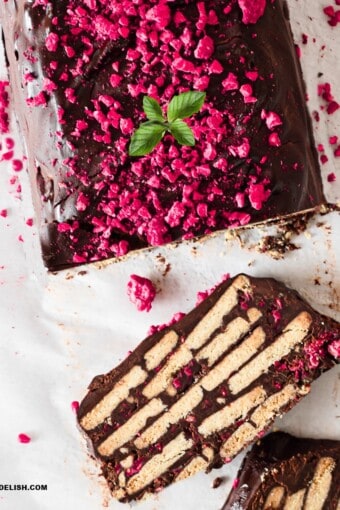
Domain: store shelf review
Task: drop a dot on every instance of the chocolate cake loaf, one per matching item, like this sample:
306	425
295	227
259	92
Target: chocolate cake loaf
283	472
79	72
192	396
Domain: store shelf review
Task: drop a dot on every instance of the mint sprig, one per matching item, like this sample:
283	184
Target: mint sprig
150	133
182	133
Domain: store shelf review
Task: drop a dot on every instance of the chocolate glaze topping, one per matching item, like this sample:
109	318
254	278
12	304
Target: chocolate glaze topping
79	71
317	351
281	460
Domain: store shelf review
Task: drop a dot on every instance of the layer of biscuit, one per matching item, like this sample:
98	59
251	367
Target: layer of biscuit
224	372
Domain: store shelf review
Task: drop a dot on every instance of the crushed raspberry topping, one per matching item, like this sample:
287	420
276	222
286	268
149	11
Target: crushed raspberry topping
141	292
120	51
334	348
252	10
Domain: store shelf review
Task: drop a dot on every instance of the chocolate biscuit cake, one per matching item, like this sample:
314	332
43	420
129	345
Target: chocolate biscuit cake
80	71
283	472
192	396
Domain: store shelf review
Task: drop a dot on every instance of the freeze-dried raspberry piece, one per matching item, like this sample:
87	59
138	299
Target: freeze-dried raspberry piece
141	292
252	10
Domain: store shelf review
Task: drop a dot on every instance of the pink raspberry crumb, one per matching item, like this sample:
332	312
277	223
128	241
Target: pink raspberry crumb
202	295
75	406
252	11
9	142
334	349
24	438
141	292
331	177
4	103
17	165
236	483
205	48
274	140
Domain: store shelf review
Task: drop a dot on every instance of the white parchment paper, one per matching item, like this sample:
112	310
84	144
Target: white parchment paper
58	331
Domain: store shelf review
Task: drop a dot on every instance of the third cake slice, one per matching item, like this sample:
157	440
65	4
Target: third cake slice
283	472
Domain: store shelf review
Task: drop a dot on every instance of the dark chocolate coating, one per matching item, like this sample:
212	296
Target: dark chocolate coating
295	368
283	460
64	166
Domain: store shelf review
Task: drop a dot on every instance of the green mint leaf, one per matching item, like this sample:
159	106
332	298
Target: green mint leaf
145	138
185	105
182	133
152	109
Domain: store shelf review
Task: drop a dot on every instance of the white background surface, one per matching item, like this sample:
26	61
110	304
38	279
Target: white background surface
59	331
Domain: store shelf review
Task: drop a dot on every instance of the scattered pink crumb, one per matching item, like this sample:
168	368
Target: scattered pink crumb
201	296
332	107
75	406
29	222
3	213
323	158
337	152
333	140
6	156
17	165
4	103
331	177
9	142
141	292
20	238
155	328
333	15
236	483
24	438
325	91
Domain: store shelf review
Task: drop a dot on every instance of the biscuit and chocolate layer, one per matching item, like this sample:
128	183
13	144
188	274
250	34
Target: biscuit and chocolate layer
282	472
79	72
193	395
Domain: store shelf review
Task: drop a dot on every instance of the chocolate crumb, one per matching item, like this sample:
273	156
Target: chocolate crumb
217	482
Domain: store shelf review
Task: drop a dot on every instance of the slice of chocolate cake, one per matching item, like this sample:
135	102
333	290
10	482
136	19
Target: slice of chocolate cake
79	72
193	395
282	472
